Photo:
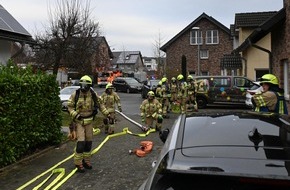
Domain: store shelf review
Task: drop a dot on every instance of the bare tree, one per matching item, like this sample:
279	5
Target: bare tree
159	54
69	40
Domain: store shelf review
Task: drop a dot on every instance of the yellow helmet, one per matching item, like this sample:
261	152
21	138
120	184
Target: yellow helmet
180	77
86	80
190	77
150	93
109	86
85	83
164	79
173	78
269	78
160	83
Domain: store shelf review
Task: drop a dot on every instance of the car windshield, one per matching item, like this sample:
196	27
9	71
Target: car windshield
67	90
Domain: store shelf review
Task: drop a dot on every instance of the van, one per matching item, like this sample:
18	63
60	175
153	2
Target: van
221	89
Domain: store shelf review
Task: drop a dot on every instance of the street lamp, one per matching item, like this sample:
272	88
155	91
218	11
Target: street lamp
198	49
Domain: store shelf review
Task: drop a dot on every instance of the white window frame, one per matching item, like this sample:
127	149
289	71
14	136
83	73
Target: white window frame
195	37
204	54
212	37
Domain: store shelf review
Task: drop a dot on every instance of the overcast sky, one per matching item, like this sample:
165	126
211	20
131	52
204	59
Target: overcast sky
134	25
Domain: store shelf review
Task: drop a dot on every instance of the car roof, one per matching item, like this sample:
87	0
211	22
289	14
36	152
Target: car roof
235	142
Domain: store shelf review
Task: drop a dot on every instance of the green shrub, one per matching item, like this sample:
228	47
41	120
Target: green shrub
30	112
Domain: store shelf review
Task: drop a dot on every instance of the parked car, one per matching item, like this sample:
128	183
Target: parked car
149	85
224	150
253	90
222	90
127	84
64	95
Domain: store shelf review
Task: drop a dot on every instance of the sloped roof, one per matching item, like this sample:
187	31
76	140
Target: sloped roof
253	19
11	30
126	57
262	30
189	27
101	39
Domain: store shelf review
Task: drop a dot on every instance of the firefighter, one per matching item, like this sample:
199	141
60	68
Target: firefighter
182	93
83	105
271	99
159	91
174	105
110	100
173	89
165	95
151	110
191	98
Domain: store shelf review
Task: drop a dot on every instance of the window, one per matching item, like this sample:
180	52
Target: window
220	82
212	37
203	54
195	37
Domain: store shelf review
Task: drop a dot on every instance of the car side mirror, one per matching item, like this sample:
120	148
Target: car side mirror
164	134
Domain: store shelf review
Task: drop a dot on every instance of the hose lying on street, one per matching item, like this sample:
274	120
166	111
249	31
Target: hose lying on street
55	184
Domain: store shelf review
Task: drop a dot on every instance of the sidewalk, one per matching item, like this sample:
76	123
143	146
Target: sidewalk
113	167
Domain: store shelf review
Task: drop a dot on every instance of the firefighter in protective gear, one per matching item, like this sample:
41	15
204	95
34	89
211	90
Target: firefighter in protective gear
151	110
83	104
173	89
271	99
174	105
110	100
165	95
191	99
158	91
182	93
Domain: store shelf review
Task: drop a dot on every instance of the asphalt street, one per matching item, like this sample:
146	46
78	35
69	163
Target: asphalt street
113	167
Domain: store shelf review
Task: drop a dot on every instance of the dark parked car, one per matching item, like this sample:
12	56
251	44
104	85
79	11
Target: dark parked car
148	86
127	84
237	151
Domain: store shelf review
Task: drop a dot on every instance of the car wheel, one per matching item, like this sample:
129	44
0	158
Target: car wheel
201	102
128	90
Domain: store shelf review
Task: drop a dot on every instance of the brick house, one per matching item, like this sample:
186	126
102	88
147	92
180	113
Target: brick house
255	58
206	34
101	59
279	55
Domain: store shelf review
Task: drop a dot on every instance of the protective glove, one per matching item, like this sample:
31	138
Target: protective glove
79	117
120	109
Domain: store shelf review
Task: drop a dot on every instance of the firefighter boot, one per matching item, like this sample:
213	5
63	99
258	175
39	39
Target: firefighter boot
80	168
87	164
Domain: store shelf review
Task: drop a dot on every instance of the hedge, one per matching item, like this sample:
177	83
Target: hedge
30	112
